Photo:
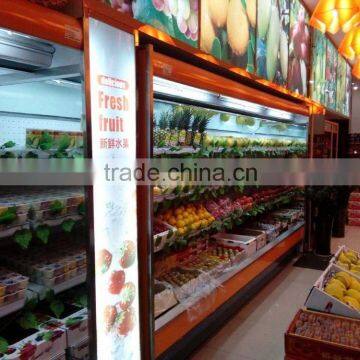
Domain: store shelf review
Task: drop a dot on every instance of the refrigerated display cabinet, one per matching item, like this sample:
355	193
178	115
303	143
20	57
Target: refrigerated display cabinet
261	124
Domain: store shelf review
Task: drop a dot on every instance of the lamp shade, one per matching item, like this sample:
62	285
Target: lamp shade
356	68
333	15
350	45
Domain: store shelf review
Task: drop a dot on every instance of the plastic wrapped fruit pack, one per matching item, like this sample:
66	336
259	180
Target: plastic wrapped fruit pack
12	286
50	266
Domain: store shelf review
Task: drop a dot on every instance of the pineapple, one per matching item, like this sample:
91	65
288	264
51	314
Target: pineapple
184	125
160	132
175	116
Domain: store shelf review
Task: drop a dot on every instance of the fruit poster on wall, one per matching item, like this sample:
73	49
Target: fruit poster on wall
318	67
331	75
178	18
341	85
228	31
348	88
272	40
299	48
113	129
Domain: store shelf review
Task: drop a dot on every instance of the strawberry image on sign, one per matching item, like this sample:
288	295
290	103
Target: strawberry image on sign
127	254
117	281
125	322
110	314
127	296
103	260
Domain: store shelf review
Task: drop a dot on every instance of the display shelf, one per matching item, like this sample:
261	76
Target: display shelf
12	307
176	151
41	290
178	309
169	332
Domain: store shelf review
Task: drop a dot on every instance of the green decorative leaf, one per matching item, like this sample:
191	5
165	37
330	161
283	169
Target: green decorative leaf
46	141
4	345
216	48
81	209
64	142
23	238
8	145
31	304
81	300
57	307
56	207
28	321
50	295
72	321
42	233
68	225
31	155
8	155
47	336
8	216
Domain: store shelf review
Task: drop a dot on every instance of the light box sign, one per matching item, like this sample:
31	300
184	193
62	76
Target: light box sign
113	123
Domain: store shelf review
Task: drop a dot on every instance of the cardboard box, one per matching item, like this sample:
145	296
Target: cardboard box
319	300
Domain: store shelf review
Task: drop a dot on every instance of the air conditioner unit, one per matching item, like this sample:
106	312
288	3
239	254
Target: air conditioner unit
23	52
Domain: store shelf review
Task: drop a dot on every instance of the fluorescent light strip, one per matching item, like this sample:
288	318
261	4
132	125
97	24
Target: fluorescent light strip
171	88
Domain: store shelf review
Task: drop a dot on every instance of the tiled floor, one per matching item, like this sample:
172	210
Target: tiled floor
257	331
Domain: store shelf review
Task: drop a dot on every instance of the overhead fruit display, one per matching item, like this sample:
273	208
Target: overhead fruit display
299	48
178	18
228	31
272	40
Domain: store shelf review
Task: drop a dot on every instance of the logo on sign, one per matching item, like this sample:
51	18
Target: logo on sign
109	81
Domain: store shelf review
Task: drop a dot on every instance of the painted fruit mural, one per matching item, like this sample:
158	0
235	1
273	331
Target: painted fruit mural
299	48
272	40
178	18
348	90
330	76
341	85
317	84
228	31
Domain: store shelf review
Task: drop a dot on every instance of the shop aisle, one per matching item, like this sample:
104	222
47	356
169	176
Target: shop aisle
257	331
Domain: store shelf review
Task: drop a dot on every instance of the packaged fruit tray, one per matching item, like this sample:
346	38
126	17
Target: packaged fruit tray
354	205
44	344
312	335
12	286
40	199
185	282
347	259
164	298
260	236
248	243
354	214
355	196
163	234
354	221
337	291
50	266
234	254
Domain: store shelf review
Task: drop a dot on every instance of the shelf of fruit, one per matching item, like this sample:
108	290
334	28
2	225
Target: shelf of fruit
191	220
223	263
238	152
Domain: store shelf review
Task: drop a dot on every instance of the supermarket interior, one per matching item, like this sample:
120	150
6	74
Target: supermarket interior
179	268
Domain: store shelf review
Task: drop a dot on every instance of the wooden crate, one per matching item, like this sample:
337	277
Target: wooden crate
300	347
